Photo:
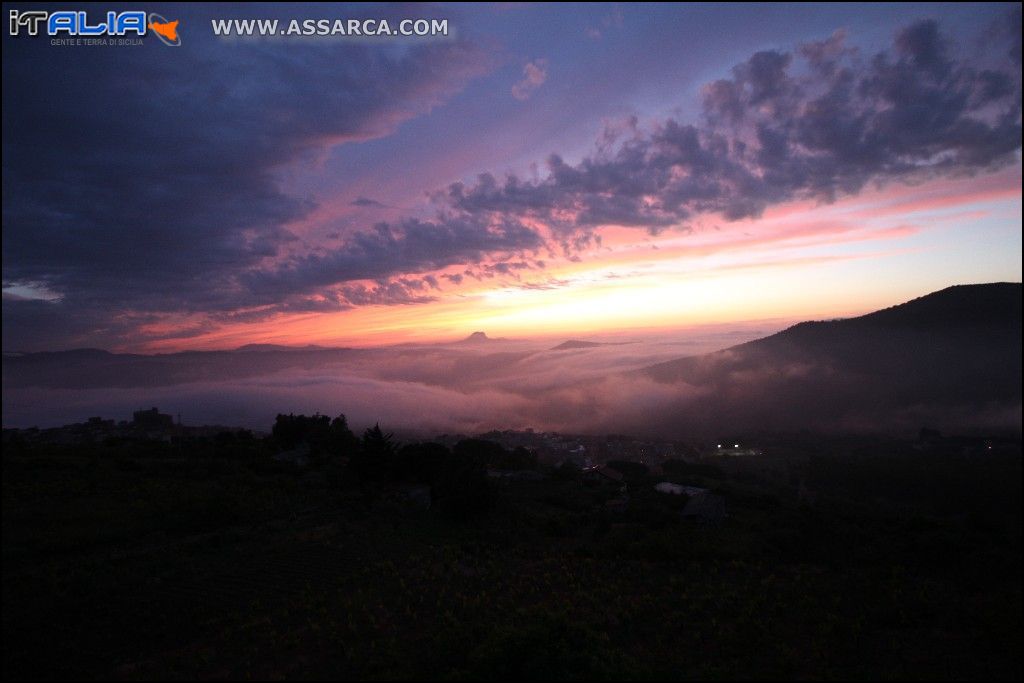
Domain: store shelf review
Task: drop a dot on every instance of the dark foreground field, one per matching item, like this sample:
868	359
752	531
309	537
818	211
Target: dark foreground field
210	560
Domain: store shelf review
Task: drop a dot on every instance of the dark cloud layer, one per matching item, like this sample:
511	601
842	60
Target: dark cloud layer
134	188
818	123
411	246
150	183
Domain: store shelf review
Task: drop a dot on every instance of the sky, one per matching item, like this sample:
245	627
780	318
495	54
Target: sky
542	171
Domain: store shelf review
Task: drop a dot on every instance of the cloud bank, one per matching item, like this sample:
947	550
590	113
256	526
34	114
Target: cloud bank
818	123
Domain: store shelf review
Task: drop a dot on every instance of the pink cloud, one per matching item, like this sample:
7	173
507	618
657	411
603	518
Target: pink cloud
535	73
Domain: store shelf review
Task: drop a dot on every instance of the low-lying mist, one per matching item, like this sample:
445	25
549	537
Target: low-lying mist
893	372
460	387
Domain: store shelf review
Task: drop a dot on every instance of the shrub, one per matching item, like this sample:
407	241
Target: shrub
632	471
463	490
539	645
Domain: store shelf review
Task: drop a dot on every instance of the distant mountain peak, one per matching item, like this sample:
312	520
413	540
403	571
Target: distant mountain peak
480	338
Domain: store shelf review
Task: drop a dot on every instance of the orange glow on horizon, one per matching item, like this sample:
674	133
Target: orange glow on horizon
799	261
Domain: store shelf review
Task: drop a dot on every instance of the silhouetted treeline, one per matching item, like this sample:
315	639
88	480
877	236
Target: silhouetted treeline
123	556
322	434
457	477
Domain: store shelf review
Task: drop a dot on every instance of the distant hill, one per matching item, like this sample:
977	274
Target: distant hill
951	357
259	348
80	368
575	344
580	344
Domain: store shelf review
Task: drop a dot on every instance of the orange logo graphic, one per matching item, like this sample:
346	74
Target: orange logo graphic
166	31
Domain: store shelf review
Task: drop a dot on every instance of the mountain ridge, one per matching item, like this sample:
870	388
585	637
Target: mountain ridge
954	353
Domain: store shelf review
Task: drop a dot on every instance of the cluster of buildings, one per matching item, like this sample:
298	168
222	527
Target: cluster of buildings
147	425
934	441
733	449
585	451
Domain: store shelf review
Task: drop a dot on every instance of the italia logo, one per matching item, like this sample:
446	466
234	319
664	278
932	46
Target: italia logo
166	31
78	24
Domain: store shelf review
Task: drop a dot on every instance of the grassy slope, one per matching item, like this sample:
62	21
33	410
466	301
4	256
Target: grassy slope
140	562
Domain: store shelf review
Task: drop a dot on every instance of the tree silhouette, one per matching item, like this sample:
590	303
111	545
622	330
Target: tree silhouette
376	442
342	440
463	490
374	460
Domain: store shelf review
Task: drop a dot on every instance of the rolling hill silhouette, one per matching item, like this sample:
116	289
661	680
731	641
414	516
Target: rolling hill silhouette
575	344
949	360
83	368
953	356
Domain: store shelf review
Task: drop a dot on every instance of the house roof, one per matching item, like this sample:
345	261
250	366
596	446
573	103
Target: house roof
669	487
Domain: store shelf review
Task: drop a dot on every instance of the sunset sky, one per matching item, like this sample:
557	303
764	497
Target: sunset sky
543	171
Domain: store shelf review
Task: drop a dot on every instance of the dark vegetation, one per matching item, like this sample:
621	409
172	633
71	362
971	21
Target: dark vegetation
952	357
210	558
